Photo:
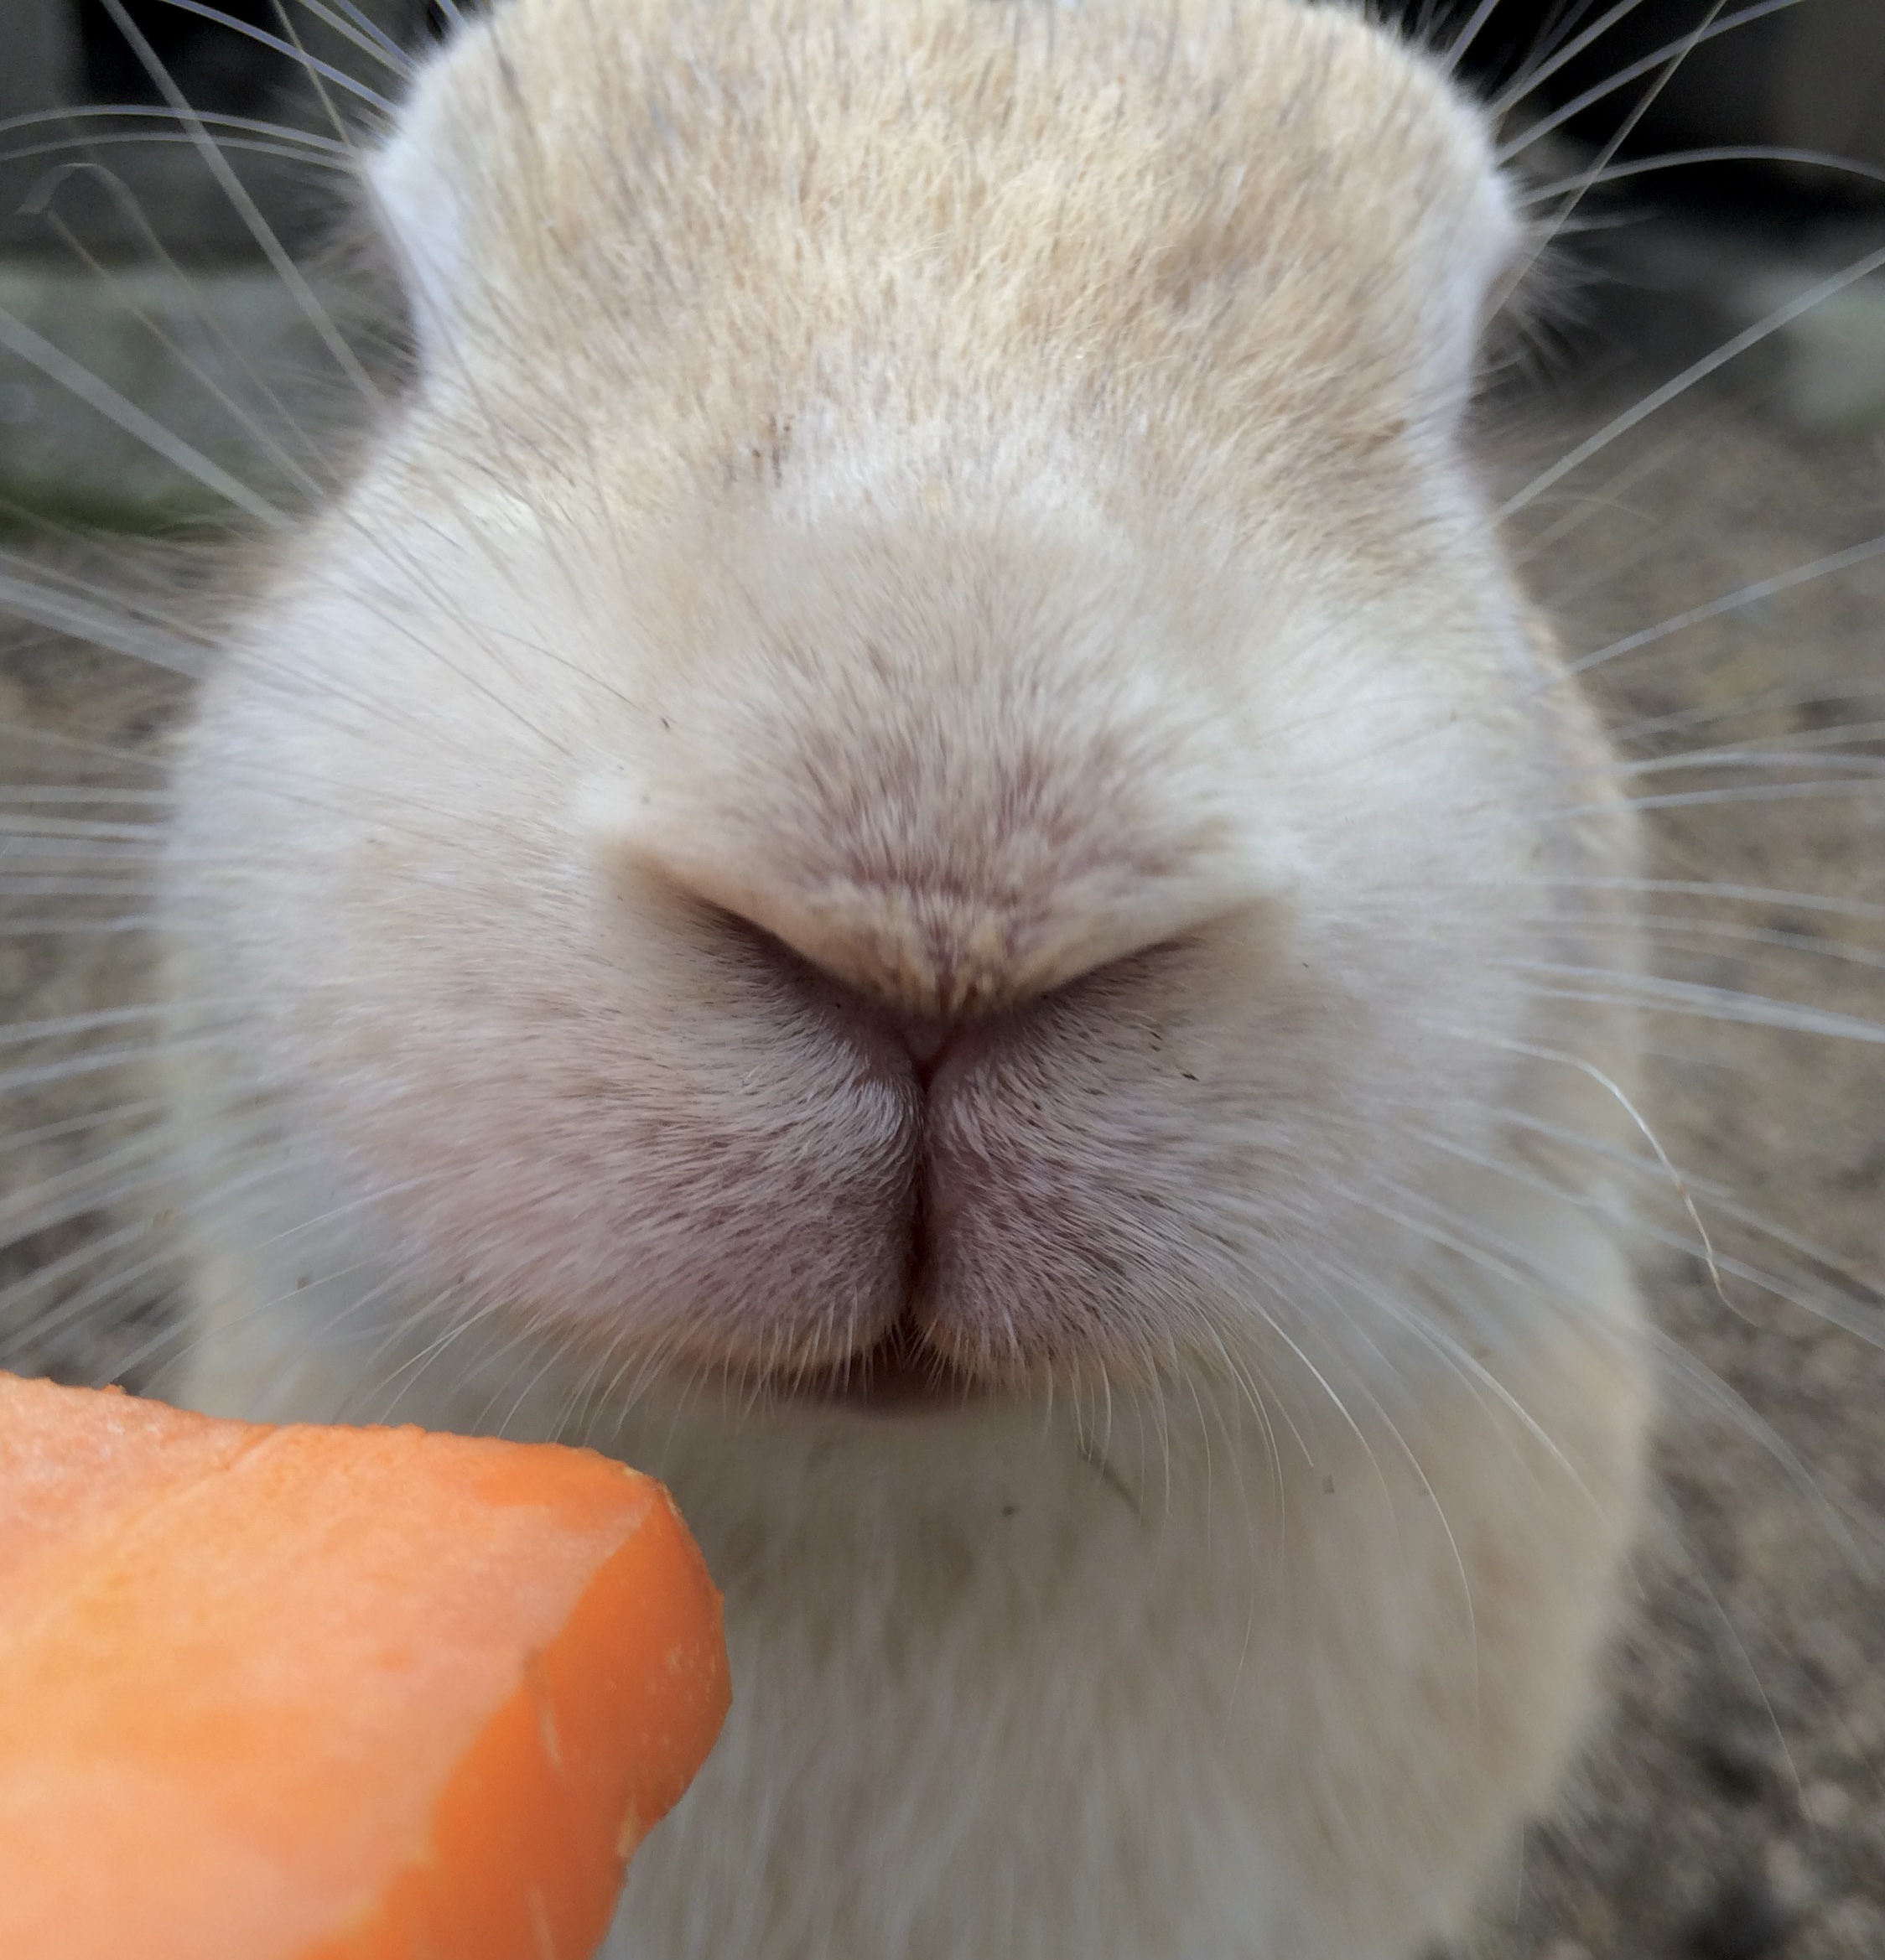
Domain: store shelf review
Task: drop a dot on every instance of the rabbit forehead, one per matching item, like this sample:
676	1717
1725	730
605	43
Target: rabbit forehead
697	212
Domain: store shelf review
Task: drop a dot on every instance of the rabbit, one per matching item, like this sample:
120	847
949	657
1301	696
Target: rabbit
901	854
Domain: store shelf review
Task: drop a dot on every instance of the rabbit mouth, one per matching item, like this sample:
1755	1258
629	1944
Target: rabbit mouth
903	1372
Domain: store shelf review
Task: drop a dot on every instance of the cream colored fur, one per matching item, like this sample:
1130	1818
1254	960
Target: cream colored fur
940	530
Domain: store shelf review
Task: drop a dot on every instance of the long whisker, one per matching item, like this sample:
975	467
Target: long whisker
1864	1319
20	339
1536	74
1612	986
233	188
1695	372
283	132
1613	143
1863	1311
350	23
1463	42
304	151
257	433
1723	889
1621	78
1745	152
1741	597
338	77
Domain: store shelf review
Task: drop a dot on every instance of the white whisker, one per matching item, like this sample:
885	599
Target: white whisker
1713	153
20	339
1736	601
338	77
1695	372
1608	986
233	188
1621	78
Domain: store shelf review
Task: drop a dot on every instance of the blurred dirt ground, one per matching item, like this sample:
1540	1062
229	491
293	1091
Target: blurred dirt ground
1733	1804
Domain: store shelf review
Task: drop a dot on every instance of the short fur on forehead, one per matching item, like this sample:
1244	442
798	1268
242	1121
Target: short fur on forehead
1016	198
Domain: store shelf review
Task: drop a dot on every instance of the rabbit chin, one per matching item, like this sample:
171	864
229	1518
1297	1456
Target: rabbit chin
1215	1666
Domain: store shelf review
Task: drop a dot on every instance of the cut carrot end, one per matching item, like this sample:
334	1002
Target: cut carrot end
312	1694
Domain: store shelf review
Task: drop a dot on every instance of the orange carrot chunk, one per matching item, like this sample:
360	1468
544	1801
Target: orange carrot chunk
311	1694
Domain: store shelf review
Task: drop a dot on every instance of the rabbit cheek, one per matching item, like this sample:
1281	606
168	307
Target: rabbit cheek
1103	1170
697	1168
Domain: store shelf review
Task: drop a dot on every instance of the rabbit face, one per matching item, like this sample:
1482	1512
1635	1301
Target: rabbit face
798	952
987	822
910	779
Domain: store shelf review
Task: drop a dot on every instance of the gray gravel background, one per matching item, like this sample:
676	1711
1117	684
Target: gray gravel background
1734	1806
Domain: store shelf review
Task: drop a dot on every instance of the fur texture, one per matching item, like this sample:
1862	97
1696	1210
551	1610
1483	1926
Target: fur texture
916	744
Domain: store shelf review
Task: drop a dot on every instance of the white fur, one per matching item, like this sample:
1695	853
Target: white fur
923	524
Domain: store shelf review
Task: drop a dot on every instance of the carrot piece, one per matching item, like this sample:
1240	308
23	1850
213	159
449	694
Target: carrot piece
312	1694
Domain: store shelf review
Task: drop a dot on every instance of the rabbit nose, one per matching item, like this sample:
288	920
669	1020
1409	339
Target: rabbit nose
925	958
943	939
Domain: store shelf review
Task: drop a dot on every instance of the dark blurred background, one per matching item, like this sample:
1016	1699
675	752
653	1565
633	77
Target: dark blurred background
1807	74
